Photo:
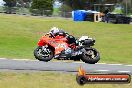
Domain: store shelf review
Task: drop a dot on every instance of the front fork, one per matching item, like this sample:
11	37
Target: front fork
45	49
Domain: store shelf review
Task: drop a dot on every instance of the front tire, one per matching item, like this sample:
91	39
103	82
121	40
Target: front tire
91	56
43	55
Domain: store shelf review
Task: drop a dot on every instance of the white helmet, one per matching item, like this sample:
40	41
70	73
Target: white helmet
54	30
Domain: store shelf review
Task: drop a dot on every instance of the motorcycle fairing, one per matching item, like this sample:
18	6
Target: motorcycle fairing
58	44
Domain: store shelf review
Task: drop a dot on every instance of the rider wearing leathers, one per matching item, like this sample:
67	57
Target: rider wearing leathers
59	32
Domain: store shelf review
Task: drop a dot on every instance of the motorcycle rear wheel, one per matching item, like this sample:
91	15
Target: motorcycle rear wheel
91	56
42	55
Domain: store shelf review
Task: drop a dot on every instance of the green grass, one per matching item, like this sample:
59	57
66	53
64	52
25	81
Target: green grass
19	36
47	80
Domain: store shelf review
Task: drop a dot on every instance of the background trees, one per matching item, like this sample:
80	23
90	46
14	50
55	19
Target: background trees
46	6
88	4
42	6
9	4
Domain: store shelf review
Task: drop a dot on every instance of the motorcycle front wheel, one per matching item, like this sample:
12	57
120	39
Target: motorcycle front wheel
43	55
91	56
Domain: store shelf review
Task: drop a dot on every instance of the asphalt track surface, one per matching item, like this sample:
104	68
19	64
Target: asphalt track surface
61	66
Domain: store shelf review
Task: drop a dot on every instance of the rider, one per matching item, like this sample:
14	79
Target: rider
54	31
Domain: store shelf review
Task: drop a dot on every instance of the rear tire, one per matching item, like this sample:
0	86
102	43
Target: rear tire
42	55
91	56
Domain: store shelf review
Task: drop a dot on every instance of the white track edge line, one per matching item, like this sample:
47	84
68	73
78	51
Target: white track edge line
100	63
114	64
123	71
2	58
128	65
102	70
24	60
78	62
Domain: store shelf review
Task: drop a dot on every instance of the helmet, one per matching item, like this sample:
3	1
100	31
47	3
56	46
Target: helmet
54	30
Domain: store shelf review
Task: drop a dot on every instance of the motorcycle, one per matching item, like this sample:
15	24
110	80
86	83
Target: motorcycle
50	47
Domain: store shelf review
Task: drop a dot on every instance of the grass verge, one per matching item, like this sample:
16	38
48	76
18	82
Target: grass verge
47	80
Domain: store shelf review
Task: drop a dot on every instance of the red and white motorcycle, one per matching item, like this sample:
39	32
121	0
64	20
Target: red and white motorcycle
57	47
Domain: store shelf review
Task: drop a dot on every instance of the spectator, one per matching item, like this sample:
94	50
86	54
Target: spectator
106	12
